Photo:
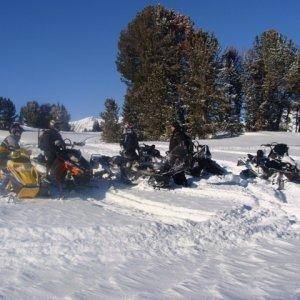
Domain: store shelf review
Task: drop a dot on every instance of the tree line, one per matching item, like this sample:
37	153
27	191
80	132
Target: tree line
174	70
33	114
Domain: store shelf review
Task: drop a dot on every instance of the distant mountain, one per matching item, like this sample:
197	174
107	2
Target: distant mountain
84	125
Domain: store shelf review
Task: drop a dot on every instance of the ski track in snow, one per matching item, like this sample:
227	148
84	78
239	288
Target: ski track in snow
223	237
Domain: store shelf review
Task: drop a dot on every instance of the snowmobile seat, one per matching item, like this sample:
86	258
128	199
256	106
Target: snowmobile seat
280	150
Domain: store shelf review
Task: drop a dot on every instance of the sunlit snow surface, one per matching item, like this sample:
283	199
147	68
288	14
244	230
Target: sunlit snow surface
222	238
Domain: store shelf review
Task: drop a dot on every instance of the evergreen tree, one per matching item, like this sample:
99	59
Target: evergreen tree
230	84
7	113
199	91
60	114
39	116
151	60
111	129
267	91
44	115
30	114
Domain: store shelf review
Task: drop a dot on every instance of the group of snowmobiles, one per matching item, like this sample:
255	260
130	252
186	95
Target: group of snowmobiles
29	177
276	166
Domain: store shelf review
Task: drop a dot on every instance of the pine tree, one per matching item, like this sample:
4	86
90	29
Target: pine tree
199	91
39	116
30	114
293	90
7	113
267	91
151	60
60	114
111	129
230	85
44	115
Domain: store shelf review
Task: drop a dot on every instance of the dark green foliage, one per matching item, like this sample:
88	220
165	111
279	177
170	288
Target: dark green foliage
60	114
7	113
111	128
151	60
270	74
30	114
39	116
165	61
230	85
45	115
170	67
199	91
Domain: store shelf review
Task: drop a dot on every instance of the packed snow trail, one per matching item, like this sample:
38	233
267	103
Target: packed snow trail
223	237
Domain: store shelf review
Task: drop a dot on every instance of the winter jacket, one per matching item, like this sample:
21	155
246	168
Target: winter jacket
11	142
130	144
180	143
48	138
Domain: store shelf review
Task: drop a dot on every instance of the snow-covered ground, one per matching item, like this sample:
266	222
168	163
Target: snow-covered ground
222	238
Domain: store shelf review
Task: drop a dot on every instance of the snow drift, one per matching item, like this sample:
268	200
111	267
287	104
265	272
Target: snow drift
222	238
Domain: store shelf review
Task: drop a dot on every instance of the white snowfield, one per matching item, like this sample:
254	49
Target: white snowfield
222	238
85	124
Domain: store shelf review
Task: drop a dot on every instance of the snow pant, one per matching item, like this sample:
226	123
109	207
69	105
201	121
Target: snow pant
50	158
177	163
125	163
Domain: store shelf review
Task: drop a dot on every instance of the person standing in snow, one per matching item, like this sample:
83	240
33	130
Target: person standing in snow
130	147
129	143
180	147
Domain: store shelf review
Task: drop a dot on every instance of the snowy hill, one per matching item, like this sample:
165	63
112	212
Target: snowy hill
221	238
84	125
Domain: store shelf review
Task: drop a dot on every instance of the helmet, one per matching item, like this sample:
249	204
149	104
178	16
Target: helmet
16	129
52	123
128	127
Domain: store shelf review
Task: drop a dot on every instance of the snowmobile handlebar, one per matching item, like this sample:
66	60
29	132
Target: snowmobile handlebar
71	144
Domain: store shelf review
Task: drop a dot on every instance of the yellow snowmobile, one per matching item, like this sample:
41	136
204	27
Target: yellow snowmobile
21	176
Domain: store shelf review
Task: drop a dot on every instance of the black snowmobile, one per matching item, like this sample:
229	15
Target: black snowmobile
148	158
196	164
277	166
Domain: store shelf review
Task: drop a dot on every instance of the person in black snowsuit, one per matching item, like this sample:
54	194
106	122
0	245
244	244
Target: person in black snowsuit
129	153
129	143
50	141
180	147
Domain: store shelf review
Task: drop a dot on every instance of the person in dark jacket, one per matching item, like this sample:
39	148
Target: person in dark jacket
129	153
129	143
50	141
180	147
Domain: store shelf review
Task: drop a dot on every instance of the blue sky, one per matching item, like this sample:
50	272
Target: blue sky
64	51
